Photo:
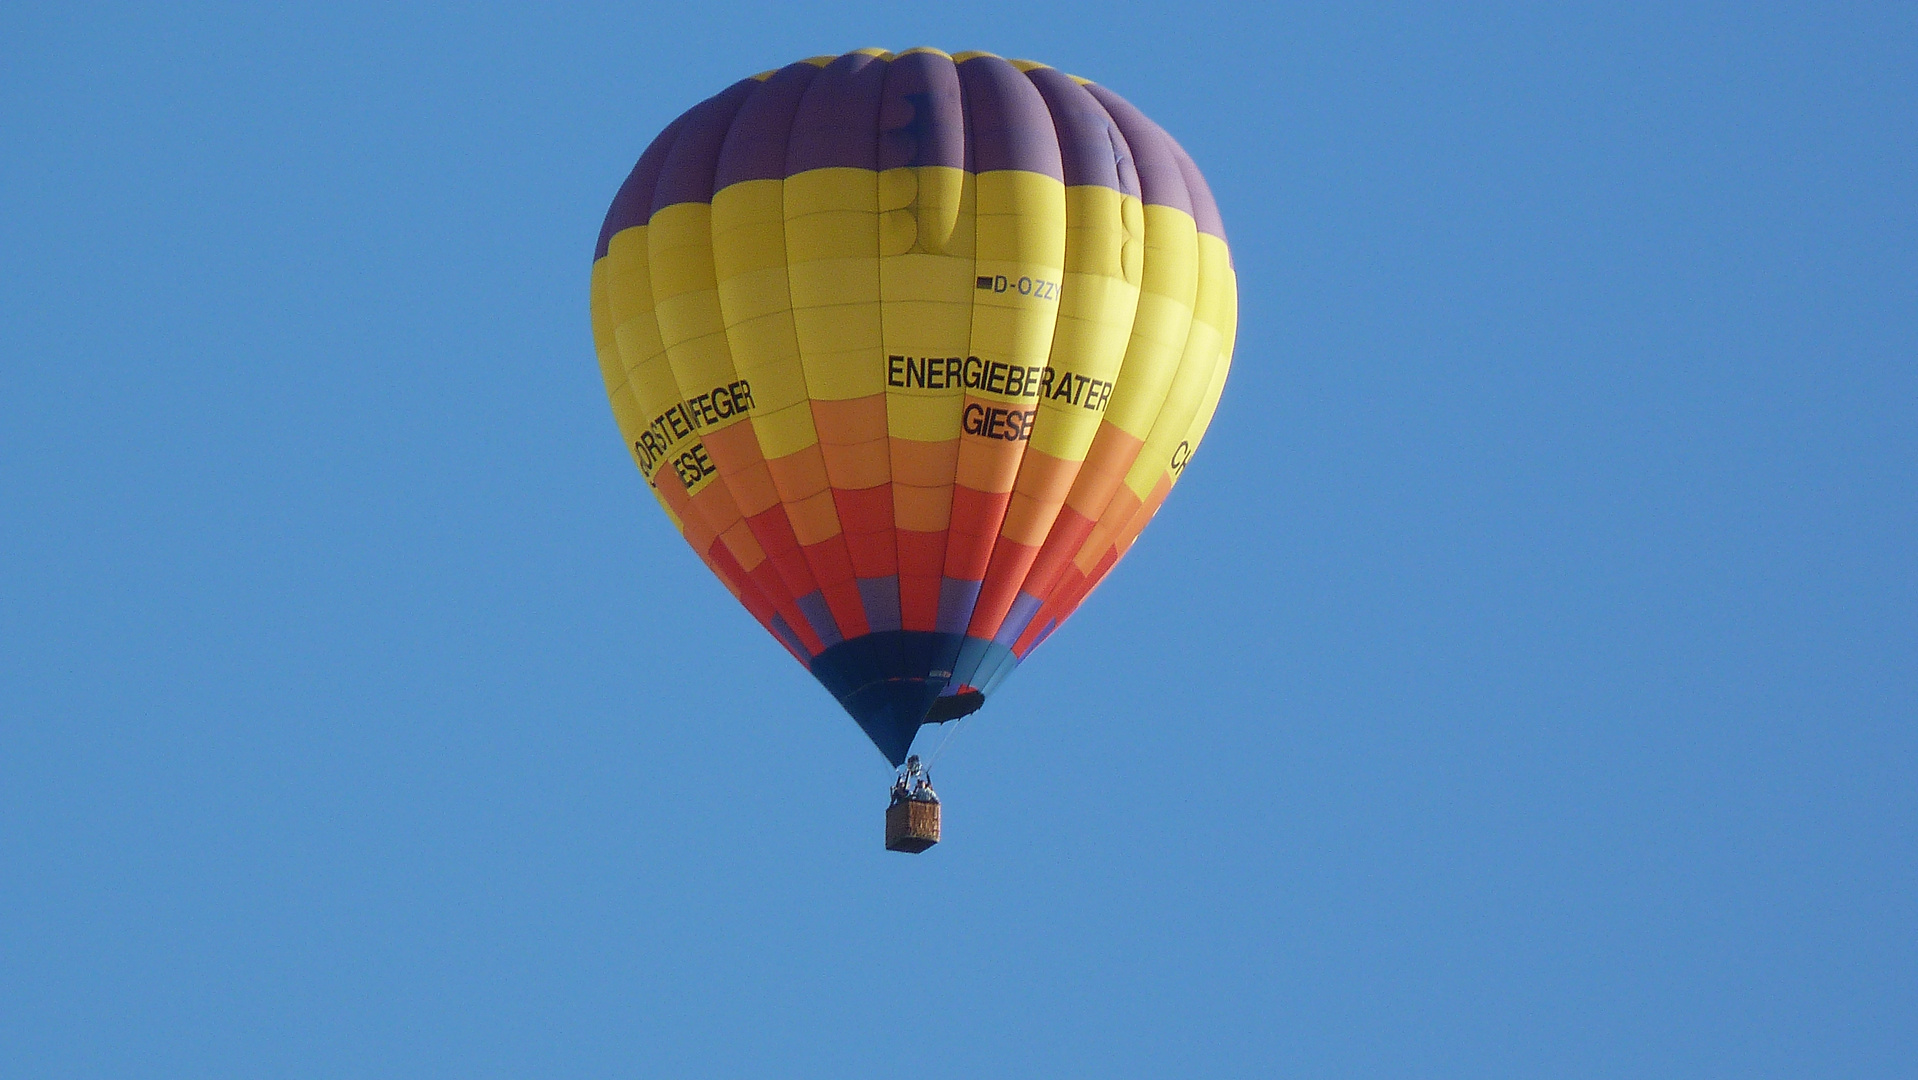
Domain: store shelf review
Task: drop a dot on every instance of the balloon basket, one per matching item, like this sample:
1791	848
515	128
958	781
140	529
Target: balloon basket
912	825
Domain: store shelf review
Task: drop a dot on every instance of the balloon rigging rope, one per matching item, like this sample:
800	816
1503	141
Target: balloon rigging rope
941	748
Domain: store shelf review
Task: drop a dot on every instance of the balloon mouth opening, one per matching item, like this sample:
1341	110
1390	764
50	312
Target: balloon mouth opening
953	706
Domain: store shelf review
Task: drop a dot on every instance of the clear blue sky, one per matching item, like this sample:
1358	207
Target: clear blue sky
1549	712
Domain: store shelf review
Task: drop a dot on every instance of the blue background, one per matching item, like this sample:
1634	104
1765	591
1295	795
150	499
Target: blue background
1521	682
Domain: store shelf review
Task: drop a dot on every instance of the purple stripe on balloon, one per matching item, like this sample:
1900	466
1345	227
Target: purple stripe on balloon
864	112
922	116
957	598
1154	154
1007	125
755	147
837	124
1024	607
1093	150
687	175
819	616
633	205
785	634
1205	210
880	596
1051	625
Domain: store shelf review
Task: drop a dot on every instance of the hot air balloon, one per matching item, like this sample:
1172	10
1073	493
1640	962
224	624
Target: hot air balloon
910	347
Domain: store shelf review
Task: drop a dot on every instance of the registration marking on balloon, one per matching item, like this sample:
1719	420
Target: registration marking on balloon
1037	288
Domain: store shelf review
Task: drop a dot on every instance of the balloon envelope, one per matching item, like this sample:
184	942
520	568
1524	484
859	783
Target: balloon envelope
910	348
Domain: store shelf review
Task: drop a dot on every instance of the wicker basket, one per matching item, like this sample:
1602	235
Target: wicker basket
912	826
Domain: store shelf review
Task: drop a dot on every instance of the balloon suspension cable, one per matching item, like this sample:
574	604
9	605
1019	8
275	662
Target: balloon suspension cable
946	741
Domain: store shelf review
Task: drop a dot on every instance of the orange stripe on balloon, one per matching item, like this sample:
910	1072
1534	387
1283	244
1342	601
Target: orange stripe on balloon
727	569
975	525
922	556
1037	497
1010	561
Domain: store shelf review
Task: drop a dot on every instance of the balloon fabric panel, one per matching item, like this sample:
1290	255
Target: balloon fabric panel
910	348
